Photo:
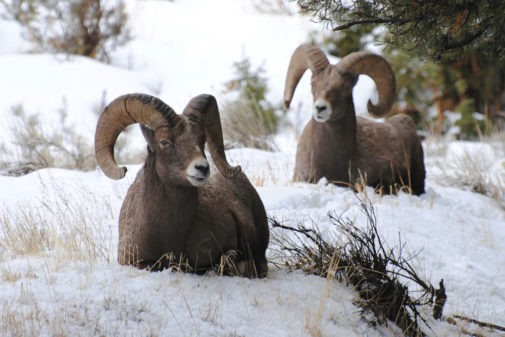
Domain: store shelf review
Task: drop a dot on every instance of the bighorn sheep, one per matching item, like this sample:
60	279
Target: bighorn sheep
173	209
342	147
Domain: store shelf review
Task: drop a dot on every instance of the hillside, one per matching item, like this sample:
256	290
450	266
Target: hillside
58	234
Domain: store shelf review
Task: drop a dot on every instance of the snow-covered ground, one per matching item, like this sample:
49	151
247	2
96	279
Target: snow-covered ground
58	235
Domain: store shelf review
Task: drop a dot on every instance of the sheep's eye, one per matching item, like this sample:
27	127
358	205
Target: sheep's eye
164	142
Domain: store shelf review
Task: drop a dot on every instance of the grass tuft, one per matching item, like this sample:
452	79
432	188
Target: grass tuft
473	171
58	227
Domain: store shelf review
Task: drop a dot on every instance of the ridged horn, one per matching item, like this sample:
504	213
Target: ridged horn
379	70
204	110
304	57
122	112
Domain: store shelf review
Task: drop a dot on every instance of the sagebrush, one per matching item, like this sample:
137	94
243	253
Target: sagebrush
62	145
91	28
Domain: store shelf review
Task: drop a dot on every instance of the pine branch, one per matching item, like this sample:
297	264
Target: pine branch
464	42
393	20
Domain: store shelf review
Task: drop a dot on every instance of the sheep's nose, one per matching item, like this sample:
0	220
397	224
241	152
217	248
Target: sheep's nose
203	168
198	171
322	110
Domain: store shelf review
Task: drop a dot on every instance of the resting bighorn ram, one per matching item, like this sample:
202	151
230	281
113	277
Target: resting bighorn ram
342	147
174	208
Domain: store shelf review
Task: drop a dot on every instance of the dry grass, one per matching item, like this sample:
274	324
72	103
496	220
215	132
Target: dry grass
244	126
268	175
60	226
64	227
265	169
248	118
314	324
67	225
475	170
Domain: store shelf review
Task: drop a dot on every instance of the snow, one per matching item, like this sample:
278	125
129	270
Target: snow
181	49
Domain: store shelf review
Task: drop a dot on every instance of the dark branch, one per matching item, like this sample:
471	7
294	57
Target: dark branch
396	21
463	42
276	224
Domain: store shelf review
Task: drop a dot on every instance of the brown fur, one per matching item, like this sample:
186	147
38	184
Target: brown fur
345	156
346	149
165	215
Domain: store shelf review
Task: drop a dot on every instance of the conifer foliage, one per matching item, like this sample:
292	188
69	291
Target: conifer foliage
432	28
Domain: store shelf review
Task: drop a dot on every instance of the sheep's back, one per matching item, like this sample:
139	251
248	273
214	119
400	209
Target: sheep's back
383	146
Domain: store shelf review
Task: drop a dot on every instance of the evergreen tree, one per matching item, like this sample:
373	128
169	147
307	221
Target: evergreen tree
342	43
252	88
430	28
466	79
249	119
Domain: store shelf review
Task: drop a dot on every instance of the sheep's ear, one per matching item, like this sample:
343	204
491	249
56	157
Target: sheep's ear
149	137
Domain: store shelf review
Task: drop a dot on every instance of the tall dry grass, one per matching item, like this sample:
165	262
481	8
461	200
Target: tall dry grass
478	167
67	227
64	223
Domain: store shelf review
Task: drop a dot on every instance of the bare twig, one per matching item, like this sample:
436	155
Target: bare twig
480	323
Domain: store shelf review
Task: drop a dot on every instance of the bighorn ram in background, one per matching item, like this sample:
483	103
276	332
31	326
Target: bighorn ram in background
342	147
173	209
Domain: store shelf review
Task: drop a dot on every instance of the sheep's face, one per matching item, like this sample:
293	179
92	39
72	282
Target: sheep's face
180	158
332	92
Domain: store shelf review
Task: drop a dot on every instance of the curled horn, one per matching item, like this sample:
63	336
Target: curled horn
304	57
379	70
120	113
203	109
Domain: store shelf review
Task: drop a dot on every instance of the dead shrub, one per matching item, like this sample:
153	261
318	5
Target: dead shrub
60	146
366	262
38	148
90	28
